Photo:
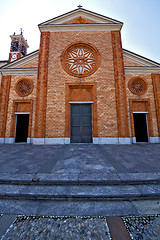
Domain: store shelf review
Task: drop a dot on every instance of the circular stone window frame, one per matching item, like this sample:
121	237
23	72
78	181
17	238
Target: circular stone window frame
86	45
144	83
27	93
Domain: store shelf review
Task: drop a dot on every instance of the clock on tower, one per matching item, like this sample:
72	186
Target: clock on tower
18	47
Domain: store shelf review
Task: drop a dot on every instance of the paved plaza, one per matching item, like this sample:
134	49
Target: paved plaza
78	163
77	159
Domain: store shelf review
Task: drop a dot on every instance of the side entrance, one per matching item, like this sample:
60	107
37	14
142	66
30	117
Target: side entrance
81	123
22	123
140	125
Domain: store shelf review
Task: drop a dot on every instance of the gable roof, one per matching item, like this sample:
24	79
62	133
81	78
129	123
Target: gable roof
143	61
21	61
90	21
80	12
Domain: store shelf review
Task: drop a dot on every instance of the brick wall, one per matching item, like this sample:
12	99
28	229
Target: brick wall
149	95
103	78
14	96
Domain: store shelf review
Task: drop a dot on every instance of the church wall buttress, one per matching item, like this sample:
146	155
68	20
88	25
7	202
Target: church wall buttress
4	97
40	115
122	117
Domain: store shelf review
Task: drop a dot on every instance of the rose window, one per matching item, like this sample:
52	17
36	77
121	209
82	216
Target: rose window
137	86
80	59
24	87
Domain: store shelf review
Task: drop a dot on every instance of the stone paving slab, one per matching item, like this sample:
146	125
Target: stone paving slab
80	159
67	208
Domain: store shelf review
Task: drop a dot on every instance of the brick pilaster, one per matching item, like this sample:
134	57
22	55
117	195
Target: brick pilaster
121	101
4	97
40	115
156	88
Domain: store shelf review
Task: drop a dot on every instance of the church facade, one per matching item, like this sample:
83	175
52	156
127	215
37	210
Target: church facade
81	86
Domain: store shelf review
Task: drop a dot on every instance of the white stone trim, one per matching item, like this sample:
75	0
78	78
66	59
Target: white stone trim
23	61
110	140
134	139
105	140
154	139
19	71
67	141
56	140
124	141
80	102
28	140
9	140
1	140
80	13
139	59
81	27
21	113
139	70
96	140
37	141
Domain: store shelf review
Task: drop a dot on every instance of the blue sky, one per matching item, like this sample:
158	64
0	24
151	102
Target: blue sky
141	18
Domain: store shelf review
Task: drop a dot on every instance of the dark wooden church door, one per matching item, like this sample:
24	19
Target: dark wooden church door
81	123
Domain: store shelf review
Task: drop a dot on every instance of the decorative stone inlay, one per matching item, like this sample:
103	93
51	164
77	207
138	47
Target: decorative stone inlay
80	59
137	86
24	87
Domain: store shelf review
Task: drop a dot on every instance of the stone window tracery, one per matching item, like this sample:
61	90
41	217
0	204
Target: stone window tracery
137	86
24	87
80	59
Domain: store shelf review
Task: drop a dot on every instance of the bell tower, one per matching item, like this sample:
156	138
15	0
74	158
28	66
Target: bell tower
18	46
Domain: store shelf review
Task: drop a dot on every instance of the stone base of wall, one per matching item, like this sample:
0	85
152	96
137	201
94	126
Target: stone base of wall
50	141
103	140
150	140
154	139
9	140
1	140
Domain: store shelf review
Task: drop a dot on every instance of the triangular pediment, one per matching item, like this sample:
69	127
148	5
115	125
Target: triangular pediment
80	16
80	20
134	60
28	61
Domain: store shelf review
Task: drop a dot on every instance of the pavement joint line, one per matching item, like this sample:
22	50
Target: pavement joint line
116	164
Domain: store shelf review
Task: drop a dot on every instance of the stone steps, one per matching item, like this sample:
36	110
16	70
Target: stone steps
80	191
74	179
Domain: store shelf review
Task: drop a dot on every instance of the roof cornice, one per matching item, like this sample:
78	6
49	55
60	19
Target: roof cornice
139	59
142	69
22	61
80	12
80	27
19	71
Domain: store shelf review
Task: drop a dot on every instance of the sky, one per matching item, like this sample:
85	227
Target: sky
140	32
